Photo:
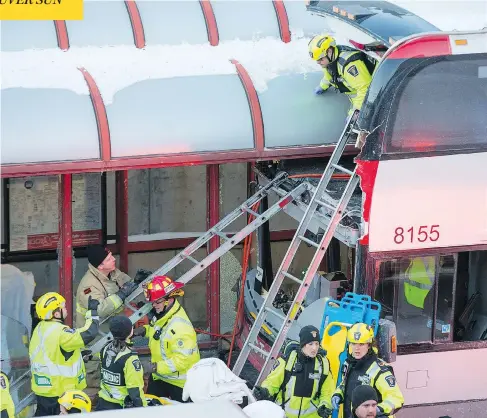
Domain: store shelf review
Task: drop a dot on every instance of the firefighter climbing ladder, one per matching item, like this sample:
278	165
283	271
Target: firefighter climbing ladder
217	230
299	237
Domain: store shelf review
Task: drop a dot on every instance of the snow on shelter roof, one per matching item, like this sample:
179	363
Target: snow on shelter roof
100	101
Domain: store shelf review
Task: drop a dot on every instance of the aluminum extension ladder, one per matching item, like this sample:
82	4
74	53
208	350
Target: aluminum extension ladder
228	243
299	237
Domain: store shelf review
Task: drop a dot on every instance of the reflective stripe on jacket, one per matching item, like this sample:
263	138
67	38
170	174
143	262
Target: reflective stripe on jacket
173	345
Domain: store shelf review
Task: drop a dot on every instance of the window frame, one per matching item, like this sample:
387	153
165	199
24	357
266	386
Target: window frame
372	279
388	151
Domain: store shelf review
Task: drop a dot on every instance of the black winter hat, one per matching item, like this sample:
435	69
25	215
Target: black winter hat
96	254
308	334
361	394
120	327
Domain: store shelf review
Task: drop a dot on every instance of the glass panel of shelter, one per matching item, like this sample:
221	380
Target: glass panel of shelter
417	292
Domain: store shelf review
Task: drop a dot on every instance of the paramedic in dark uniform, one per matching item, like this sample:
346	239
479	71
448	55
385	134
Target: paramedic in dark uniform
346	69
363	367
301	383
122	377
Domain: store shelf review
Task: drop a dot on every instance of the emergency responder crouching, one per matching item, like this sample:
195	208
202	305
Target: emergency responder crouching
122	377
301	382
55	352
110	286
172	339
363	367
74	402
346	69
8	407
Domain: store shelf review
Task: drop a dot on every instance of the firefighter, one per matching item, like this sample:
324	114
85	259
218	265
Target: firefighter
122	377
8	407
419	280
301	382
74	402
55	351
363	367
172	339
346	69
110	286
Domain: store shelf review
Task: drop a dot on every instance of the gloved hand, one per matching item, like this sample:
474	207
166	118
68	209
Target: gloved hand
139	332
86	355
93	305
150	368
261	394
319	90
141	275
336	400
126	290
324	412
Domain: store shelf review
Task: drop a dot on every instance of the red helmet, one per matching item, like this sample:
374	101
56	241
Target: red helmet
162	287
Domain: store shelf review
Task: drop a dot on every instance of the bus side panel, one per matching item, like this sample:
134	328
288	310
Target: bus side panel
429	202
442	376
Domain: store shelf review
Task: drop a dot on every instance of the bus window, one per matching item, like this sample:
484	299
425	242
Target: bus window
441	105
471	297
416	292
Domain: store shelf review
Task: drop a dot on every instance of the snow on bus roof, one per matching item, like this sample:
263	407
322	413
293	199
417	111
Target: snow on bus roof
117	67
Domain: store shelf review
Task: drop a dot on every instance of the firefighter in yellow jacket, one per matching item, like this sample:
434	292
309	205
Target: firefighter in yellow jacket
109	286
8	407
55	351
363	367
122	377
301	382
346	69
172	339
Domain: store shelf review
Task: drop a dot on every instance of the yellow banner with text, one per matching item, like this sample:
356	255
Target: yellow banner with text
41	9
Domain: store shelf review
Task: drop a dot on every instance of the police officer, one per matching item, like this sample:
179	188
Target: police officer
8	407
122	377
301	382
74	402
55	351
363	367
172	339
346	69
110	286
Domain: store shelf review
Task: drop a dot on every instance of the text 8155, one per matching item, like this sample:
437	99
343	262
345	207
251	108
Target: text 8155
422	233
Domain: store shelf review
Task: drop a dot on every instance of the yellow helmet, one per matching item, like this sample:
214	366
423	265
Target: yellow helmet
75	399
153	400
318	46
360	334
48	303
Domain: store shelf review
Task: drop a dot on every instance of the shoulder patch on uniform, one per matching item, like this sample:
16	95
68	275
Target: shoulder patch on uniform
391	381
3	383
87	291
69	330
352	71
137	365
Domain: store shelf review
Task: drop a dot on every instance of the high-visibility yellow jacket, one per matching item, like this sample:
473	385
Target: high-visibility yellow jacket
55	356
173	345
8	407
370	370
121	376
300	392
419	280
351	74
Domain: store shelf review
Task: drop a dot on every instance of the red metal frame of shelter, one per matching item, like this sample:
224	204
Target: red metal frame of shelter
121	165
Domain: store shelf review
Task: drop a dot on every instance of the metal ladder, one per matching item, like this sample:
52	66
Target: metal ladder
299	237
217	230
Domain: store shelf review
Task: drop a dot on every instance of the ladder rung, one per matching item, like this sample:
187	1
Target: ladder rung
258	349
193	260
221	235
246	209
290	276
273	312
326	205
308	241
342	169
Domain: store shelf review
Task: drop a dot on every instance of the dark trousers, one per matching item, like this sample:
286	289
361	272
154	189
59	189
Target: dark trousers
164	389
47	406
103	405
